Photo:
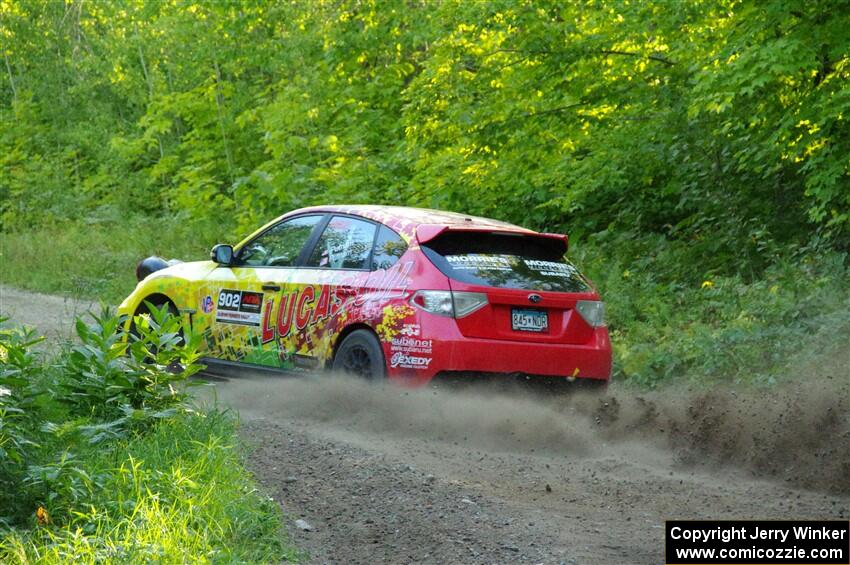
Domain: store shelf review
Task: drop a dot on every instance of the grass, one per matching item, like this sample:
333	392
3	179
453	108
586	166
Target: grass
179	494
97	261
709	328
103	459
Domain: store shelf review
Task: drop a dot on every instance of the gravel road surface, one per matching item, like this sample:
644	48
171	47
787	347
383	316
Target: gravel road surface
486	474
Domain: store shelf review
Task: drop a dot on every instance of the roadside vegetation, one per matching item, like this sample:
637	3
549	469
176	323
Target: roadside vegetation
696	152
97	260
103	458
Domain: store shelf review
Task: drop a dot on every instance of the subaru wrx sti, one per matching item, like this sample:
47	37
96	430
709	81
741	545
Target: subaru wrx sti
387	292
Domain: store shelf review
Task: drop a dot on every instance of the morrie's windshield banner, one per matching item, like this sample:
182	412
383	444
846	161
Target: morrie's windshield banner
754	542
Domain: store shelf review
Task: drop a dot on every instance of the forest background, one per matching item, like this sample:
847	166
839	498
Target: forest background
697	153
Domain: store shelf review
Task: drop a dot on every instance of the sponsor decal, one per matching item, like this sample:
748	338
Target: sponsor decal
268	330
239	307
411	330
550	268
475	262
301	308
207	304
410	345
305	301
293	312
406	361
383	285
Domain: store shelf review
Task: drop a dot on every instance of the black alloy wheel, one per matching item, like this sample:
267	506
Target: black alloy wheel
360	354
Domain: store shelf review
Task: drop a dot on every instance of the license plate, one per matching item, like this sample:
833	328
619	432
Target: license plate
529	320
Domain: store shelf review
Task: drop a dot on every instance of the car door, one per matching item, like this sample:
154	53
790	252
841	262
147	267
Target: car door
336	272
244	298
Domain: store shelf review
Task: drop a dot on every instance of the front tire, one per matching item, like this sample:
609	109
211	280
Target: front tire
360	354
145	308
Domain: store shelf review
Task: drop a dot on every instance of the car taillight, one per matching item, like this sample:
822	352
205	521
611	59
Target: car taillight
434	301
593	312
448	303
468	302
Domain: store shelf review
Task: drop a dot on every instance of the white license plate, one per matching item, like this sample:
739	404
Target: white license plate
529	320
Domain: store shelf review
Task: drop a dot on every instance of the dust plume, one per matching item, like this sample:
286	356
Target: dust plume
798	432
484	419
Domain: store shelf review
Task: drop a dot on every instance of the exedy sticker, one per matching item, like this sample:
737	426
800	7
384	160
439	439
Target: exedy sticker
239	307
406	361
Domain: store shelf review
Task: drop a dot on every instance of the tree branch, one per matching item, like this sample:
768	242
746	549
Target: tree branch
11	79
657	58
527	115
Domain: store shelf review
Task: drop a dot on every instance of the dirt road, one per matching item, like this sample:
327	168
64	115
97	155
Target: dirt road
440	475
53	316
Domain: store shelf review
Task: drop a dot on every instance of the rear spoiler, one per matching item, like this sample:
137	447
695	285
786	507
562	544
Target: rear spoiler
429	232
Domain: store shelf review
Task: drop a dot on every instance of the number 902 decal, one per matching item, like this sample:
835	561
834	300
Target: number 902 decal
229	299
239	307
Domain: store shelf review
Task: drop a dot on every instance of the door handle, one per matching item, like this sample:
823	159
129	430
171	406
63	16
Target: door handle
272	287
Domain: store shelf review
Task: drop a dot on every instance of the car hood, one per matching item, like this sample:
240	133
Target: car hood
193	270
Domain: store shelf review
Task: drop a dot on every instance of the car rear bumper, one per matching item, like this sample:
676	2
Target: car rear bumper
492	356
452	352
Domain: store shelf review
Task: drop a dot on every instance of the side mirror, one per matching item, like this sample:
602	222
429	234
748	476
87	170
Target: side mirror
222	254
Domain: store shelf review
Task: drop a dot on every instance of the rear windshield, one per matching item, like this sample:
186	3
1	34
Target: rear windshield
505	261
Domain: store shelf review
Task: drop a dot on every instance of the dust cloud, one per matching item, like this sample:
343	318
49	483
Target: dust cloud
797	433
486	419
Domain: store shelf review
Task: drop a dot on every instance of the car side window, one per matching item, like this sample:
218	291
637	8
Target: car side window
346	243
280	245
389	247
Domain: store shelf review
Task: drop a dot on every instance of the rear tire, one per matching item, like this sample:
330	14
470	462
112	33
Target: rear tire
360	354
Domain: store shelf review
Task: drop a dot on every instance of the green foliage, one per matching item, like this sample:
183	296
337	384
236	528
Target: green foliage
106	375
176	494
111	385
97	260
103	458
680	142
722	327
718	123
18	397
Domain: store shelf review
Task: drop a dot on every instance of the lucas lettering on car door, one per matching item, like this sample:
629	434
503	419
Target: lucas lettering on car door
263	268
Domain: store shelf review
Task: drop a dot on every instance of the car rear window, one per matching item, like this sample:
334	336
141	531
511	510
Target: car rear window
505	261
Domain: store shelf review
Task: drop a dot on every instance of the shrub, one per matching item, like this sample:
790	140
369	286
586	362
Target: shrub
103	458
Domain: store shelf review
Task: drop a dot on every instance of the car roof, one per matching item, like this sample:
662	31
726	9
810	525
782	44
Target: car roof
406	221
408	218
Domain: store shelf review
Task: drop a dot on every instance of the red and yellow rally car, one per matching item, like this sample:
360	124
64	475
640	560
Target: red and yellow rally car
393	292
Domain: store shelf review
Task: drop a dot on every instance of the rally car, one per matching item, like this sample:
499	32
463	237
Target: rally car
387	292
